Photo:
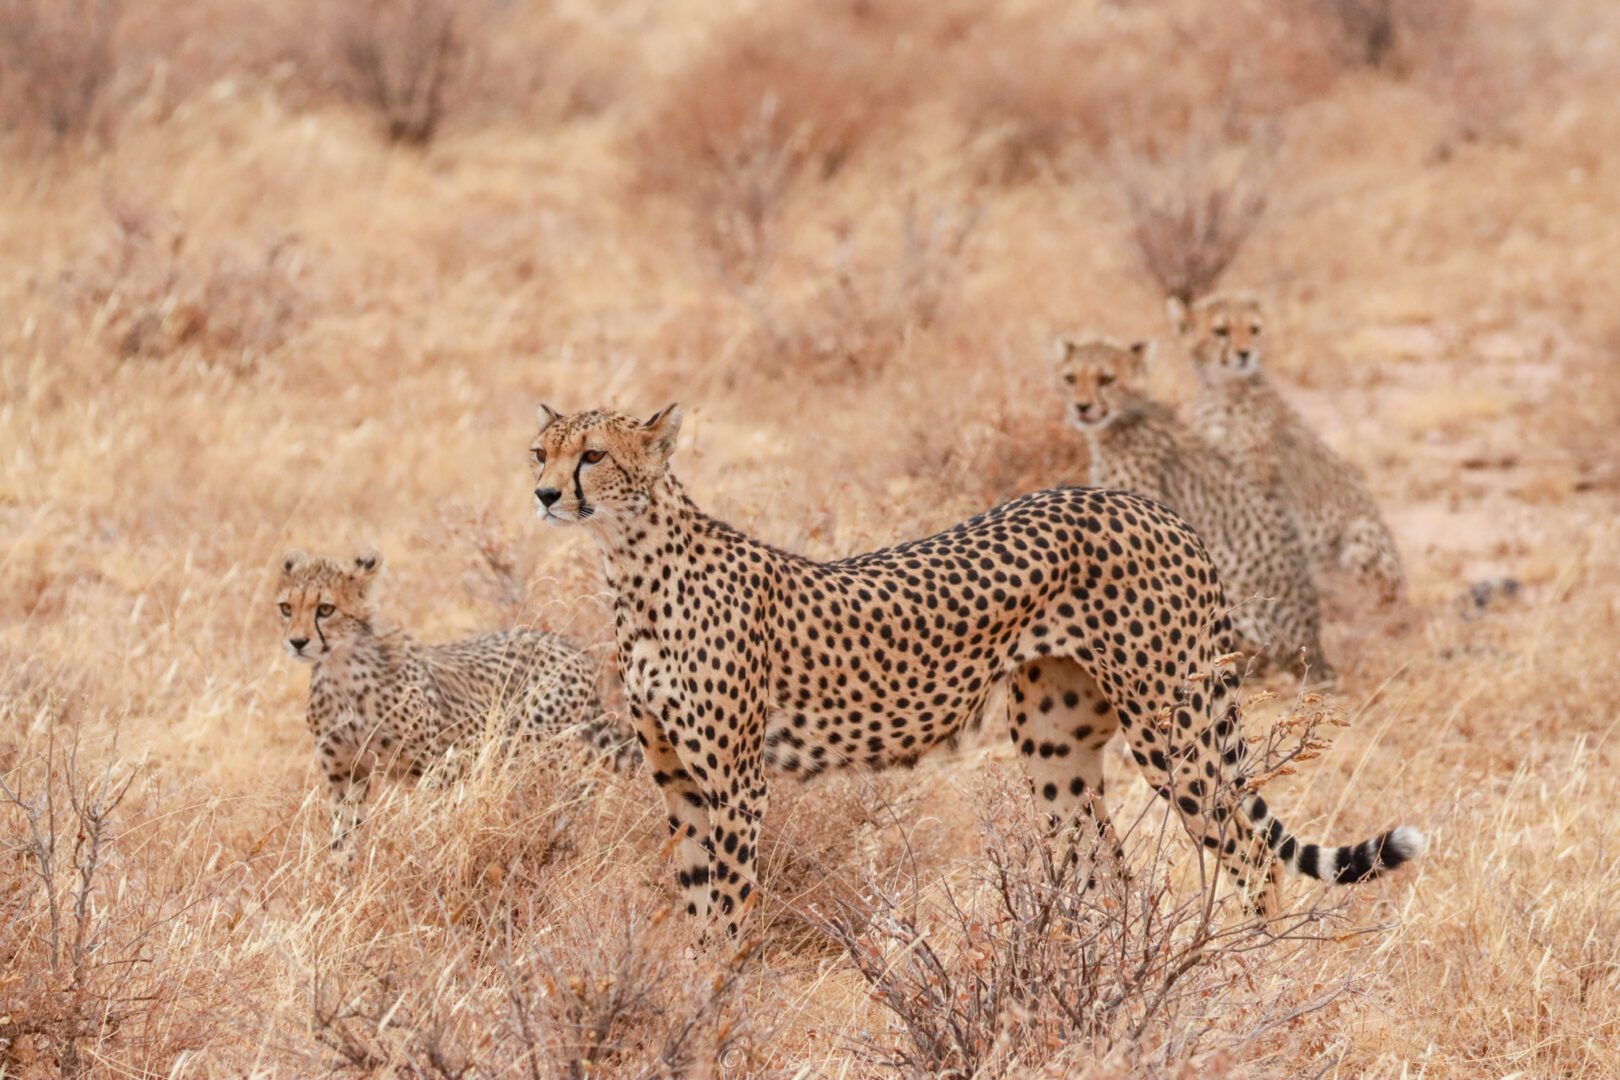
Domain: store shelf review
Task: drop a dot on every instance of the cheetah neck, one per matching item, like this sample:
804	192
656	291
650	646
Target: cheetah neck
671	524
1140	424
379	650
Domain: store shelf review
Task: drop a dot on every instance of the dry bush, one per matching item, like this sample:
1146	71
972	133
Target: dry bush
498	922
1391	33
146	292
1024	967
401	59
781	99
85	933
57	59
1192	208
1046	91
868	301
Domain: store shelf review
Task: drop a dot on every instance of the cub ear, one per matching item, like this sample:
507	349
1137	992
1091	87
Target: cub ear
294	559
545	416
1180	317
368	565
661	429
1063	348
1140	352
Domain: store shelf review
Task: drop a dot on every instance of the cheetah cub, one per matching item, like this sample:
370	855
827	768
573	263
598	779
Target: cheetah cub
1138	445
1099	611
383	704
1241	413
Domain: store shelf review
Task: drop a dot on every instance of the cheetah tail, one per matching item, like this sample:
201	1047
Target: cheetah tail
1342	865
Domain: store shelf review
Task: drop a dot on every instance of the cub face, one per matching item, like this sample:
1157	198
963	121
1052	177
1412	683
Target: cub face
1223	332
323	602
1096	376
598	465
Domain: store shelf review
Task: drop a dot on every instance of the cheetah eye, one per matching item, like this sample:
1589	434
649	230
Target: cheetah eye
591	457
325	610
286	611
1069	379
1105	378
1255	329
1223	331
540	458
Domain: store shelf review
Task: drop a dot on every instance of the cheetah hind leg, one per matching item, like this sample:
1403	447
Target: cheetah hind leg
1060	722
1191	751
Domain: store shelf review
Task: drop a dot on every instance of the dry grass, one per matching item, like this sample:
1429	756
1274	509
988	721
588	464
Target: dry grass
248	323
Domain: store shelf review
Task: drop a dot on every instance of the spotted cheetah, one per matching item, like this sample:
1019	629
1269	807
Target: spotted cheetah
1241	413
1138	445
1100	610
383	704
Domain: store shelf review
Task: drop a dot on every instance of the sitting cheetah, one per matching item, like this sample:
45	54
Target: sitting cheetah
1138	445
381	703
1100	608
1241	413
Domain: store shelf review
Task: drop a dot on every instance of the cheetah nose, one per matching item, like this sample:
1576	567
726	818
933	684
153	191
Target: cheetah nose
1083	410
1245	354
547	496
298	643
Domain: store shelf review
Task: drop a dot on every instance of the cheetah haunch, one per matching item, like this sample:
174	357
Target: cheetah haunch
1100	609
383	704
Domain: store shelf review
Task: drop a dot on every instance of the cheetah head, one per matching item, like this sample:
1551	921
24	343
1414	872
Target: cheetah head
1097	375
324	602
1223	334
599	465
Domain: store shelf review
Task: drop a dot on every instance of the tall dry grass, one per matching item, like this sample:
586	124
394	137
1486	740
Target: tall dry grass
247	323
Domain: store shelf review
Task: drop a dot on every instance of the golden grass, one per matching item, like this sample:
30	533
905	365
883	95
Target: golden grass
1444	311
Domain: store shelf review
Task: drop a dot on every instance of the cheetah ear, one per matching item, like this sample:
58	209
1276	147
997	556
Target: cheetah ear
368	562
293	560
661	429
1142	351
545	416
1063	348
1180	317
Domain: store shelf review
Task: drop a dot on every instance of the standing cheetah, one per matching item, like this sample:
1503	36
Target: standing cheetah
1100	608
383	704
1138	445
1241	413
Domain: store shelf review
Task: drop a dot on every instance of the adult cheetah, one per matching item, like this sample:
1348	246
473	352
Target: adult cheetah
383	704
1137	444
1100	608
1241	413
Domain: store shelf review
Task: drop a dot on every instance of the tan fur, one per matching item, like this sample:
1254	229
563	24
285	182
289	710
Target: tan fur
1100	610
383	704
1240	412
1138	445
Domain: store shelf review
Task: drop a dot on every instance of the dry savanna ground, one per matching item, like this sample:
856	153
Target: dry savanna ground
297	274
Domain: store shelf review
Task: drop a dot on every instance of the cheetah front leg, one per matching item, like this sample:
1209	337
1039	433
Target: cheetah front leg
347	784
739	807
688	810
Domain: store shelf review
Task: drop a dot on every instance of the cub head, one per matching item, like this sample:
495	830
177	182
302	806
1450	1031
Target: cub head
324	602
1097	377
1222	332
599	465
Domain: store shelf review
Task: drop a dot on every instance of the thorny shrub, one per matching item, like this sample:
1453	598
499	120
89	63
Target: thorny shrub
1023	966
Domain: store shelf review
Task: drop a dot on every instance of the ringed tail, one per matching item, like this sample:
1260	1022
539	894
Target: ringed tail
1346	865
